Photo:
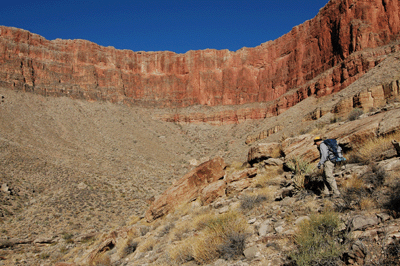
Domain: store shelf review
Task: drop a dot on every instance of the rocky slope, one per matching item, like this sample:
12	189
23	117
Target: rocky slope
81	173
337	39
74	170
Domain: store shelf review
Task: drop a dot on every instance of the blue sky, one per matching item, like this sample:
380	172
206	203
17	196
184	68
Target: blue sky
155	25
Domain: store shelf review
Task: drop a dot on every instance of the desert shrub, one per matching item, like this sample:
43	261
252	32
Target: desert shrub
299	166
335	119
317	241
393	203
232	245
299	182
248	202
353	193
370	150
219	236
355	114
375	176
352	197
68	237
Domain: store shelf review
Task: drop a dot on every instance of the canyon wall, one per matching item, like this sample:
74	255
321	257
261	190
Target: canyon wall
280	72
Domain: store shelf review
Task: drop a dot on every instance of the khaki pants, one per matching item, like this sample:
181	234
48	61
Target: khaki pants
329	180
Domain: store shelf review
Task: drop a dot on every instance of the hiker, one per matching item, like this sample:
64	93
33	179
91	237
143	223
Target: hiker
327	160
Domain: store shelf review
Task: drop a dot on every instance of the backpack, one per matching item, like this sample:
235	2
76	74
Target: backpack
333	147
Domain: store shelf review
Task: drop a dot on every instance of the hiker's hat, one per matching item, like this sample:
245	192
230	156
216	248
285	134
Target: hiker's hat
318	138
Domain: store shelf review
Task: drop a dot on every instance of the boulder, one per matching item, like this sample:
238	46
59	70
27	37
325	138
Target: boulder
5	188
301	147
263	151
362	222
213	191
238	186
188	188
274	162
246	173
265	228
251	252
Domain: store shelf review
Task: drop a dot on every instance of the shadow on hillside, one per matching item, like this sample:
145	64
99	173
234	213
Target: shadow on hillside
314	183
393	204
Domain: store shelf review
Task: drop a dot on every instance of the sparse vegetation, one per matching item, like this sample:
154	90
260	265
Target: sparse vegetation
372	149
318	239
266	177
220	236
299	166
44	256
182	252
248	202
68	237
375	176
355	114
197	232
335	119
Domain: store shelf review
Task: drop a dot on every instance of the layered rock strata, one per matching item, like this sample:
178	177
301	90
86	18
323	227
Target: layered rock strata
336	40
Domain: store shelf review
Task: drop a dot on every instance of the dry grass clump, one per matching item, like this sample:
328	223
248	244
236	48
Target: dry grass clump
317	240
355	114
248	202
218	236
354	191
182	252
353	182
363	192
372	149
266	178
367	204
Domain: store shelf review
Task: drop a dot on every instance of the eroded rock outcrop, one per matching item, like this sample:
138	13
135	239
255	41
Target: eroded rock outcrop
335	43
189	187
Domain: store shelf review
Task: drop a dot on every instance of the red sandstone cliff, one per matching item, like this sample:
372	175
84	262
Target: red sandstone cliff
331	43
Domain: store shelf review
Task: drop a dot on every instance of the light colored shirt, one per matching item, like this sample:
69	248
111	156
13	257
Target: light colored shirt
326	154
